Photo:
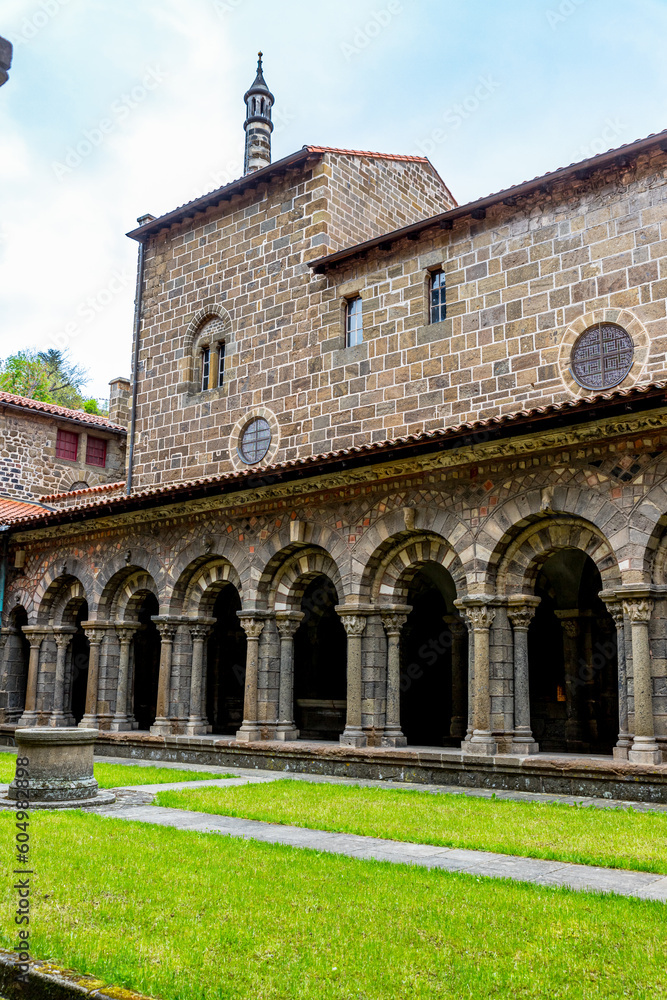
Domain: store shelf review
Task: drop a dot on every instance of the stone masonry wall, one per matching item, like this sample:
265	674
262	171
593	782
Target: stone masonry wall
29	468
521	285
248	262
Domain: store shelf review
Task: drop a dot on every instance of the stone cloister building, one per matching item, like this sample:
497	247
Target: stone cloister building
398	476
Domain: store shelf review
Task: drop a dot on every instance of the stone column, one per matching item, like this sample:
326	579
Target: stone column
624	742
59	717
122	720
520	611
94	634
354	624
393	620
35	637
569	621
480	615
167	629
252	624
287	623
197	721
458	721
644	748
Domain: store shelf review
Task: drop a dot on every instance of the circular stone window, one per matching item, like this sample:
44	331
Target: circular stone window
602	356
255	440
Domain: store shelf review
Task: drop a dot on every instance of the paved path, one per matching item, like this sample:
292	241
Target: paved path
644	885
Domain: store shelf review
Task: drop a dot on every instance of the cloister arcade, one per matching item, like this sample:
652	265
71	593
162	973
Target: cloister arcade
527	640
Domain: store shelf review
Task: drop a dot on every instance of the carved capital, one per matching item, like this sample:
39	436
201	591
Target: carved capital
125	631
199	631
393	622
93	635
480	617
251	625
287	622
521	617
63	639
456	625
615	609
167	630
354	624
638	609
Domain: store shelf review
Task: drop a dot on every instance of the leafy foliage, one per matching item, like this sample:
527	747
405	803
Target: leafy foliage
48	376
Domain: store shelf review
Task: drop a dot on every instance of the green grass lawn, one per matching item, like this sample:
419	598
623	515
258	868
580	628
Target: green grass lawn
613	838
117	775
183	916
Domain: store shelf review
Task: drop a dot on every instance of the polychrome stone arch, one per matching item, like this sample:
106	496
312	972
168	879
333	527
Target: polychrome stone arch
300	566
540	505
200	585
529	550
390	570
130	594
295	536
59	594
195	555
19	598
117	571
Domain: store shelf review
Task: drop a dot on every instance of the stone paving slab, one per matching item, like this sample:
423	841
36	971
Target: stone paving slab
644	885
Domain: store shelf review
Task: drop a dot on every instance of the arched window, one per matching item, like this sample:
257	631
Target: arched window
602	356
209	350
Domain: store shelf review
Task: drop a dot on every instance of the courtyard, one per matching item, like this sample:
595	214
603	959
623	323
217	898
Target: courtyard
147	895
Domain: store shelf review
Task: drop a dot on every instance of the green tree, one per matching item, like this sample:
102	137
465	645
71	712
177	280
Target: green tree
49	376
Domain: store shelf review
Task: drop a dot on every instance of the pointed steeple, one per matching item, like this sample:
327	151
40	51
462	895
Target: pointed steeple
258	125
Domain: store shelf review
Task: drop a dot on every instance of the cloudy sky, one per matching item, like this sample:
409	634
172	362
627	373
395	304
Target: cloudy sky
116	108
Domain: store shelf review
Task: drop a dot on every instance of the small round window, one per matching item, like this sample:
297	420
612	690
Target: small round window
602	356
255	441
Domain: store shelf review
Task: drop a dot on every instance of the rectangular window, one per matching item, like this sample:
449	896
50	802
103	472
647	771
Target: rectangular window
96	451
438	307
67	445
353	323
221	362
205	366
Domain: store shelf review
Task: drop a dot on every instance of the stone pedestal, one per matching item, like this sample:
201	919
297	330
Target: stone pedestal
59	770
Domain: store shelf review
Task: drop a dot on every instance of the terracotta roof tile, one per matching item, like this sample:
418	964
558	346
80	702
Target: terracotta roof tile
11	509
104	488
179	490
364	152
81	417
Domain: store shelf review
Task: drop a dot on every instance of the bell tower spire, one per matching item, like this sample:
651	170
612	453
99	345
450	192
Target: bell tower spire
258	125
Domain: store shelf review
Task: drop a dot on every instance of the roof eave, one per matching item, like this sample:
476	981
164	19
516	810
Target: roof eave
446	219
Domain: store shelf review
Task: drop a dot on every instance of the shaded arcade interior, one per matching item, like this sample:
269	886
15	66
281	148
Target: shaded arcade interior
572	659
320	658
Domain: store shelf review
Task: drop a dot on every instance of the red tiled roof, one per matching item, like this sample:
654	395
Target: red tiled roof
583	408
251	181
364	152
80	416
104	488
11	509
583	167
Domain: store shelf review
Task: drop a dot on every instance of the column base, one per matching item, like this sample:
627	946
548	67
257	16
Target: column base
161	727
481	744
457	729
393	739
620	753
353	737
524	747
120	725
196	727
644	750
61	719
285	732
88	722
248	733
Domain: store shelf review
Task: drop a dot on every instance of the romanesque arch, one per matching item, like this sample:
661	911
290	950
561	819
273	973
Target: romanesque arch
211	324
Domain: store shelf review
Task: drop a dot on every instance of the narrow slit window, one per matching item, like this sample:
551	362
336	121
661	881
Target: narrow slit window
221	362
438	305
205	367
354	327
